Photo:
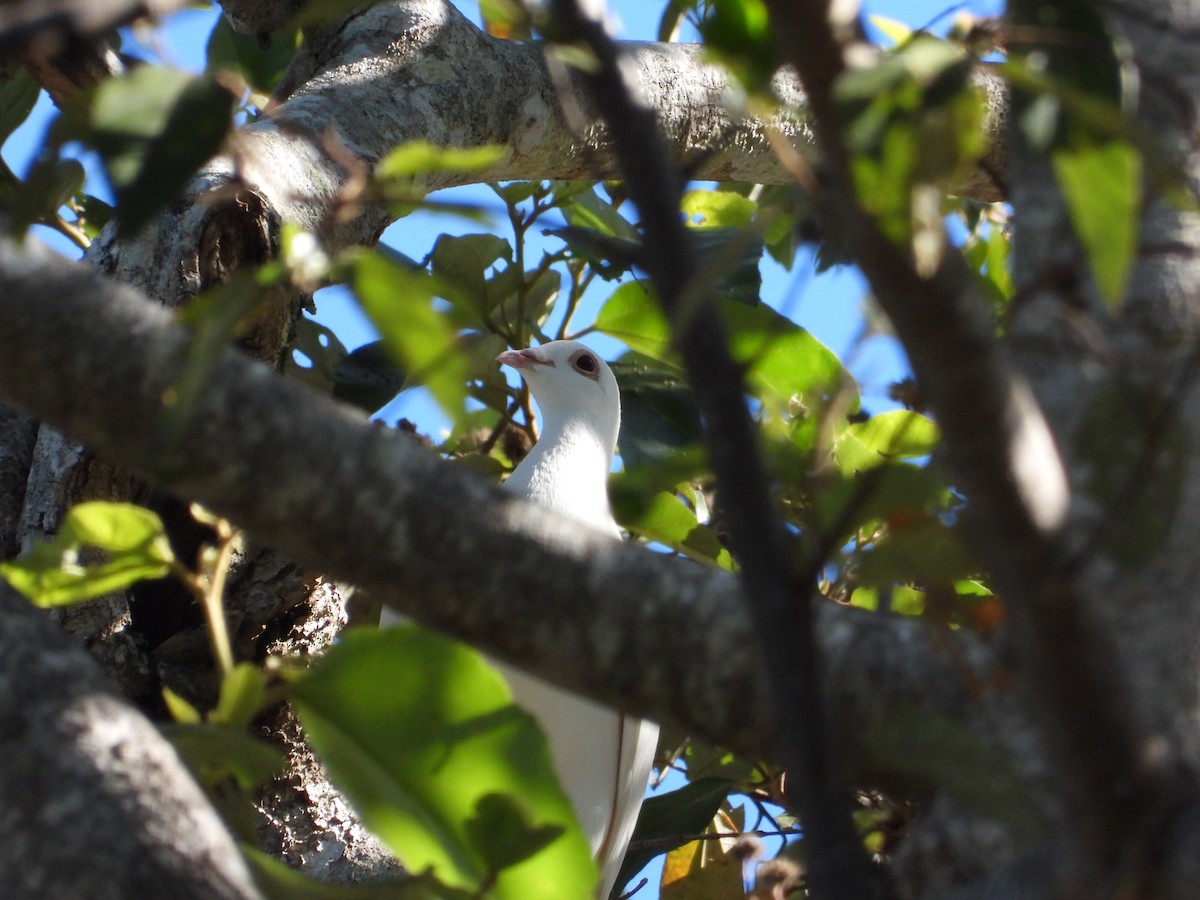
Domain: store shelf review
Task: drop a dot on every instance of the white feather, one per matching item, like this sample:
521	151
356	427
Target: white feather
602	757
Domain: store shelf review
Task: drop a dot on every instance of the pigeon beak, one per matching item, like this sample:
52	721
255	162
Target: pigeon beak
521	359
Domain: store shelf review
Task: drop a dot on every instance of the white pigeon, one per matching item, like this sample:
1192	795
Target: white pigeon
602	757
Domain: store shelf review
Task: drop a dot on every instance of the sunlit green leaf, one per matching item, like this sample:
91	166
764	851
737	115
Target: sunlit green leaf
241	698
633	316
718	209
53	572
898	434
509	19
586	209
422	158
669	522
739	32
421	735
895	31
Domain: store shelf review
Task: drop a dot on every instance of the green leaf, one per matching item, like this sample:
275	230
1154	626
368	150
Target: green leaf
633	316
739	32
400	303
904	601
260	63
216	754
421	735
925	748
923	551
731	258
889	491
899	434
683	812
461	264
18	95
718	209
52	572
501	831
895	31
585	209
181	710
668	521
784	362
367	378
659	416
241	696
154	127
421	157
1102	186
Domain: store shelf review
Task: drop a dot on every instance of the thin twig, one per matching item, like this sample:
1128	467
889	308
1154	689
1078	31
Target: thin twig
782	607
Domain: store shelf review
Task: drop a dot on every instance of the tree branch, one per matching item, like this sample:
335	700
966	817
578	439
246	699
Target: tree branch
1002	453
631	628
93	801
396	72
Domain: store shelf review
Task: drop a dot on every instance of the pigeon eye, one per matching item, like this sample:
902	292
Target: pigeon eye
585	364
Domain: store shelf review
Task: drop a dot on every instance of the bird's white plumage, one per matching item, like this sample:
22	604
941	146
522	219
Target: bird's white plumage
602	757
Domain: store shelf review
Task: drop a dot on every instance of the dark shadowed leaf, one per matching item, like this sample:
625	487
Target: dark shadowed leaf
1136	451
686	811
18	94
153	128
367	378
659	416
260	60
927	748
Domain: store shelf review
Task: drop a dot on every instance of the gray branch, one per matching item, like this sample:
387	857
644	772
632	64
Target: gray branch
420	70
654	635
93	801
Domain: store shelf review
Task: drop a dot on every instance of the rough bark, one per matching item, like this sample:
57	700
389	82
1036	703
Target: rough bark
93	801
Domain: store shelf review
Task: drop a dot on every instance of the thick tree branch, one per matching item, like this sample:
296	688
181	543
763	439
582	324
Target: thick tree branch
419	70
655	635
1002	453
93	801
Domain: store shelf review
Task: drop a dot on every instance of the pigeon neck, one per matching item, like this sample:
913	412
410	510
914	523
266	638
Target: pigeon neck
567	470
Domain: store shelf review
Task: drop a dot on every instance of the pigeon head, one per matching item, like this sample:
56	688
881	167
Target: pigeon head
572	385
